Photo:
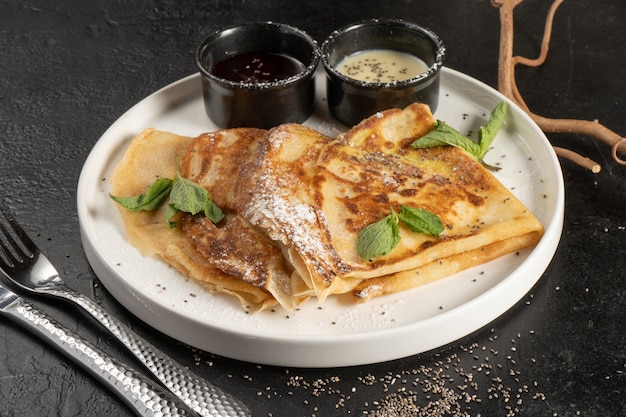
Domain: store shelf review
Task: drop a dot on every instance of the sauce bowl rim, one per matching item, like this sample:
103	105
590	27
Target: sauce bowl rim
432	70
308	71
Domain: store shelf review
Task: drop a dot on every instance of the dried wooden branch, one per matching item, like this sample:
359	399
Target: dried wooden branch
508	86
577	158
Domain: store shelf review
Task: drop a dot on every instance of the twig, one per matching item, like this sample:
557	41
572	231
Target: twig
508	86
583	161
619	160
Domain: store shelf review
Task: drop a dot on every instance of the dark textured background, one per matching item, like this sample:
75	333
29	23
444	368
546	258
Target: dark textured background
69	69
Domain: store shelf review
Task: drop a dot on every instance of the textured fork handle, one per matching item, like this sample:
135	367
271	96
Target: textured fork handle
202	397
137	391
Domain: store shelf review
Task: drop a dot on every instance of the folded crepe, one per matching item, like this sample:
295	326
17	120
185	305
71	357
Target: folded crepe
152	155
373	167
296	200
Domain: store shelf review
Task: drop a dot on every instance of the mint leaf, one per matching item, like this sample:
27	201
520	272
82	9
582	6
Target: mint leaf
213	212
487	133
150	200
420	220
184	196
188	196
379	238
382	237
443	134
169	213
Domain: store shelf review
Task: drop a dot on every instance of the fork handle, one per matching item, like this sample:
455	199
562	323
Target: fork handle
198	394
136	390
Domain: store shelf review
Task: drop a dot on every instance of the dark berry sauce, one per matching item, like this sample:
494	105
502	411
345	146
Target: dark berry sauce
257	67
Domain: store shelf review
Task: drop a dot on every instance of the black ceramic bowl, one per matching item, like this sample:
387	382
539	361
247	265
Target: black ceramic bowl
351	100
261	104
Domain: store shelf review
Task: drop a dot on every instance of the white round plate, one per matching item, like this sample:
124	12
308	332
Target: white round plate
337	333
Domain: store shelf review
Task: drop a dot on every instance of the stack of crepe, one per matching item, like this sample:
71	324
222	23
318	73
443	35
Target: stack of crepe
295	201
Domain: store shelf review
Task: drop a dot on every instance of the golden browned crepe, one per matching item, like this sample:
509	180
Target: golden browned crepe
151	155
295	201
372	168
275	192
227	163
213	160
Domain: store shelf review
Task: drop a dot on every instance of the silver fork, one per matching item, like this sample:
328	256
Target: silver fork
27	267
144	397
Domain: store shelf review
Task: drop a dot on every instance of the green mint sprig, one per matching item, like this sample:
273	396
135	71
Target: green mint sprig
379	238
382	237
184	196
157	192
443	134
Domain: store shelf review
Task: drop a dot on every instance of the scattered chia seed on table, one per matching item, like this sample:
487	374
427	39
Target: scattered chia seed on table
462	379
444	388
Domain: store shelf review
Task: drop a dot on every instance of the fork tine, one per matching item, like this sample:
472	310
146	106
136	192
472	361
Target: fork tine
21	233
9	260
18	254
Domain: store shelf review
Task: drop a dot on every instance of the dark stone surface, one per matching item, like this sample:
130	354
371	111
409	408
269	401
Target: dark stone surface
70	69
